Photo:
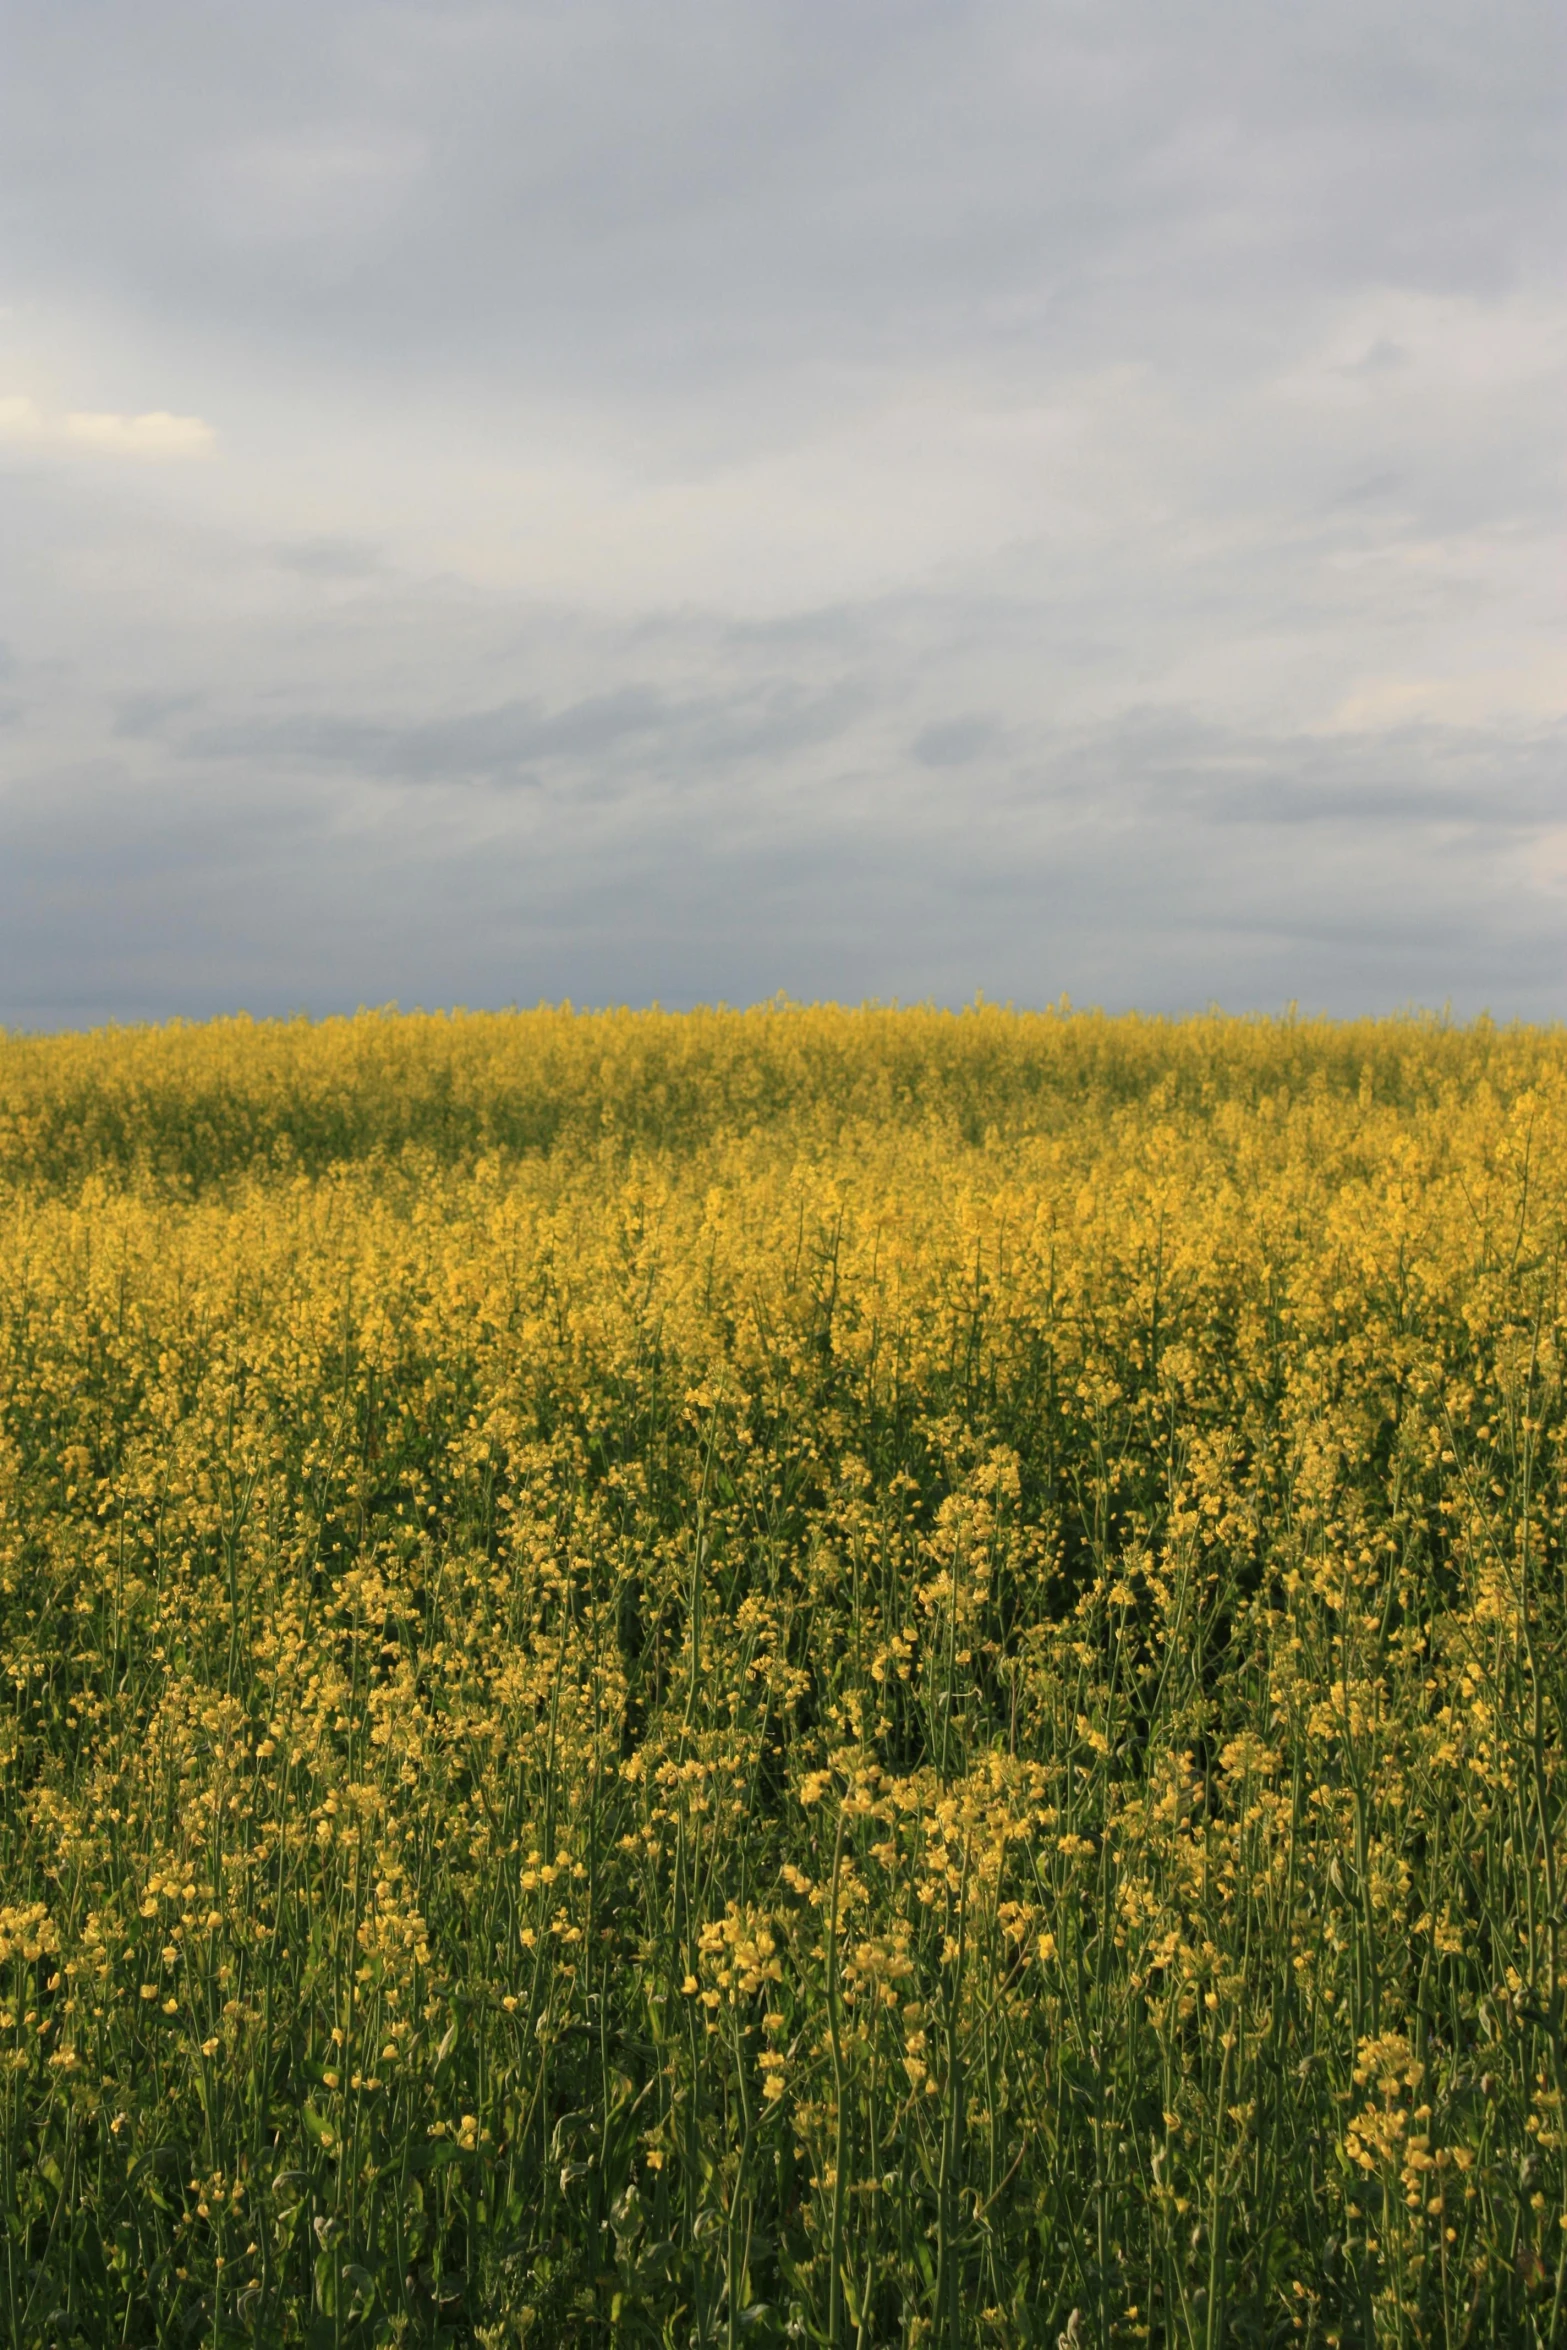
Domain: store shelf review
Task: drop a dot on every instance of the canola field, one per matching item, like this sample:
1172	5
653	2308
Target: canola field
811	1676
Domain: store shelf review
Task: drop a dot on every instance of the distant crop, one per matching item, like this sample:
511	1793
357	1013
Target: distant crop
849	1678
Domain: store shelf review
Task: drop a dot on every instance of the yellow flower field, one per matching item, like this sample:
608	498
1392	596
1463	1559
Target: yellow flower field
818	1676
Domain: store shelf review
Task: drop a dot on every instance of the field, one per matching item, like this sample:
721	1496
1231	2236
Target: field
847	1678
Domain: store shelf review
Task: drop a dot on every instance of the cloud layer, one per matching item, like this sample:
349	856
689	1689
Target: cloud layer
871	500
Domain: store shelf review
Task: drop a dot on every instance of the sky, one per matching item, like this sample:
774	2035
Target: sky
682	502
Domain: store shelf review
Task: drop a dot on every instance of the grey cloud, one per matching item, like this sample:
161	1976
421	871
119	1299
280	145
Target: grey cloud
572	187
1374	488
864	500
1163	763
495	745
140	716
506	744
1382	356
330	559
281	898
1480	787
954	742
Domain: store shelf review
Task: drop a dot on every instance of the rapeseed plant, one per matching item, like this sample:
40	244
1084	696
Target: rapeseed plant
805	1676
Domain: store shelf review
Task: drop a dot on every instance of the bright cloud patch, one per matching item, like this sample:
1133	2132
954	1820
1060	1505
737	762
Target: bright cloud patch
155	434
19	419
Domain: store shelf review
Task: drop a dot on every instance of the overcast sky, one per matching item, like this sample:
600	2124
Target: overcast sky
857	497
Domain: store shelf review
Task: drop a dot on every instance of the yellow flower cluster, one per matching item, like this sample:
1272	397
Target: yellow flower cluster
876	1676
27	1933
